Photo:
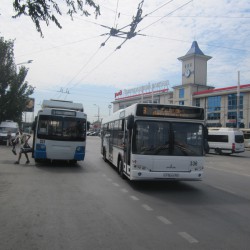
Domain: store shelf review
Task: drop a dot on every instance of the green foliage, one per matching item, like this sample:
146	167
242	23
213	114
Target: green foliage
44	10
14	90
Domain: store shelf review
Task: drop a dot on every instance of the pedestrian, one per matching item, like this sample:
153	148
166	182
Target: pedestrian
15	142
8	142
24	148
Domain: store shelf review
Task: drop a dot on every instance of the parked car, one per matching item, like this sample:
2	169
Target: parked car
8	127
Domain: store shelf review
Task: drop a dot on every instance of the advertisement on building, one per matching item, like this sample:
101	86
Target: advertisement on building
30	104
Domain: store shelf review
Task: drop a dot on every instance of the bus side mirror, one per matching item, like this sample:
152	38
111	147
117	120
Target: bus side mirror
88	125
33	127
130	122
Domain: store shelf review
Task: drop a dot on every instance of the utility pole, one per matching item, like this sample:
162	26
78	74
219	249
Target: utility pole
98	116
238	101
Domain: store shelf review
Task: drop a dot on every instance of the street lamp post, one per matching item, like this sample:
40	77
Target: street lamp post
98	115
27	62
238	102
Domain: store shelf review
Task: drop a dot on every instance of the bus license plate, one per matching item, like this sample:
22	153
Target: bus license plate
171	175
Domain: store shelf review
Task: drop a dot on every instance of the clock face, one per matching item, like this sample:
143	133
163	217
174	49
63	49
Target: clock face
187	73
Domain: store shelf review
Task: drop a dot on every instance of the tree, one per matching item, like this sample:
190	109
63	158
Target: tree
14	90
43	10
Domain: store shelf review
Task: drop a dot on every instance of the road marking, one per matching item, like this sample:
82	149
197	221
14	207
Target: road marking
124	190
104	175
228	171
164	220
147	207
188	237
108	179
134	198
116	184
225	190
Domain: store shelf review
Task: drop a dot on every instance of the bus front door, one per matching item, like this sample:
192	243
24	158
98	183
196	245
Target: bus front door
127	150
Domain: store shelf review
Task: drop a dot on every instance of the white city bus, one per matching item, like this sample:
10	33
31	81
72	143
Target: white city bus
153	141
60	132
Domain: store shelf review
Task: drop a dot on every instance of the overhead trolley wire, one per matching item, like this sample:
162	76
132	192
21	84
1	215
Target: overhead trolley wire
84	66
97	66
91	58
122	34
117	3
165	15
158	8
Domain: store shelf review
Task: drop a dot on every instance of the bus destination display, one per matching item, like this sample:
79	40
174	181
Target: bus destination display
170	111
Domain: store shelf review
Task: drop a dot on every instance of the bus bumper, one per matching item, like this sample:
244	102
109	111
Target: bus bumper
182	176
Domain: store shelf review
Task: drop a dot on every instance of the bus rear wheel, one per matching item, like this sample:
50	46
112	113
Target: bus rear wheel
120	169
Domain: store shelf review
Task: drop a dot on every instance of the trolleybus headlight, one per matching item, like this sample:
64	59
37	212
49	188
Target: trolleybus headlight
79	149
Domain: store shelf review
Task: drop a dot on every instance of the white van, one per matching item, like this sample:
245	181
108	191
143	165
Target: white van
225	140
8	126
246	133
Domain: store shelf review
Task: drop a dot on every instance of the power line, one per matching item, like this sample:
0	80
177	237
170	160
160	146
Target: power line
90	72
117	33
84	66
159	8
212	17
165	16
117	3
209	45
59	46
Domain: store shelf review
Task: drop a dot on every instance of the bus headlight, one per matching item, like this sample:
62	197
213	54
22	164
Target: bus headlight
199	168
79	149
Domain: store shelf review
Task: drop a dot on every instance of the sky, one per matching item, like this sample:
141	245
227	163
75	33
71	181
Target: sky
70	63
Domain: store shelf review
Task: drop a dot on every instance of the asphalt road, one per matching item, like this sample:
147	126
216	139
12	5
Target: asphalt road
88	206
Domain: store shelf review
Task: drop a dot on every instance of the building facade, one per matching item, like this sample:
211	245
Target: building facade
224	107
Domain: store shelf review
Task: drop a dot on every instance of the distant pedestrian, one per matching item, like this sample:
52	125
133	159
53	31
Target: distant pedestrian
24	147
8	142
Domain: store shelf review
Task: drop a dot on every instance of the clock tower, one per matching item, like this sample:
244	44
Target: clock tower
194	66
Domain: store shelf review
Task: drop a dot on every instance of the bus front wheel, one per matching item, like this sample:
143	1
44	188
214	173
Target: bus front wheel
120	169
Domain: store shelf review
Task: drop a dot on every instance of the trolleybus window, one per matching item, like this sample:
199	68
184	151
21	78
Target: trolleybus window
61	128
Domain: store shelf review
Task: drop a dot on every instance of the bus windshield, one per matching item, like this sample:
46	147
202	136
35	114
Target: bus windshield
167	138
61	128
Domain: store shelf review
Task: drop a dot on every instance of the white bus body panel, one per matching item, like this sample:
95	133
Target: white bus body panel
173	167
62	104
60	150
